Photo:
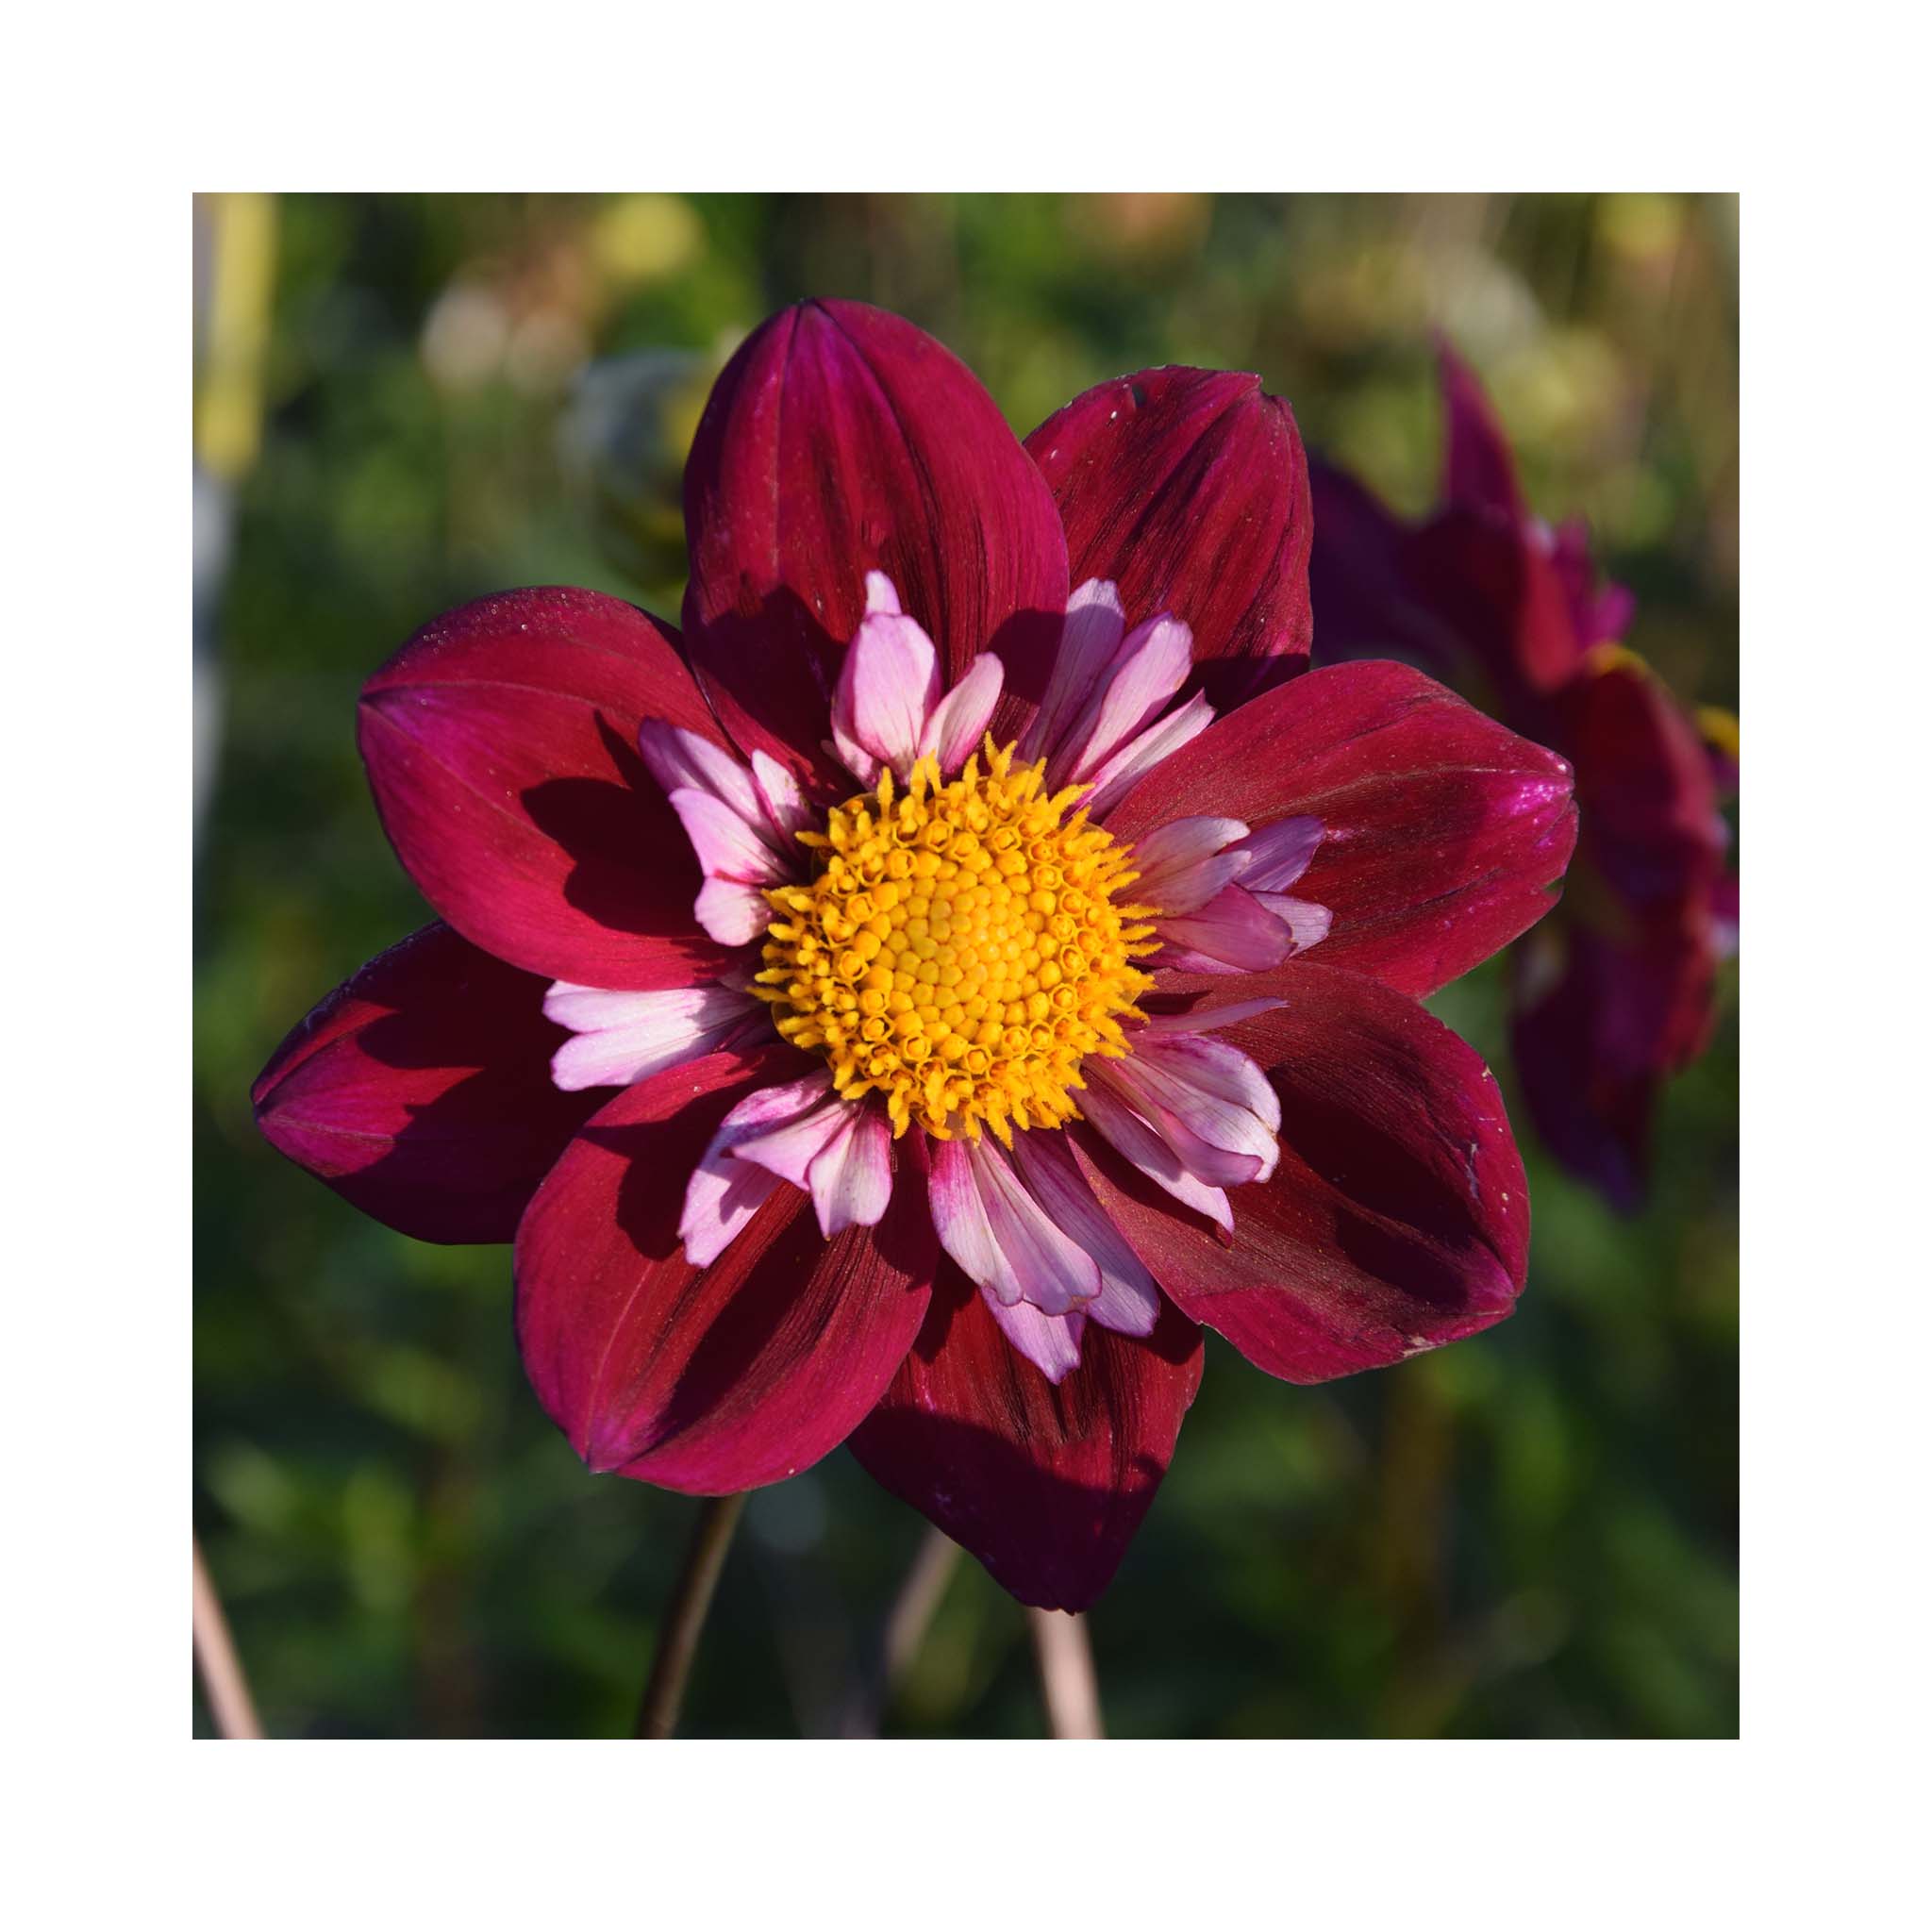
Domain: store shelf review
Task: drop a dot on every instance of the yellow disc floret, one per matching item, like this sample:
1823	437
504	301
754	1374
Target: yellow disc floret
958	948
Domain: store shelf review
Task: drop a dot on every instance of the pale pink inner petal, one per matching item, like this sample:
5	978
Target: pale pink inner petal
1188	861
888	685
1140	756
959	1218
1201	1018
1198	1059
721	1197
1153	664
1280	852
881	594
785	806
1050	1343
732	912
1137	1143
1053	1272
959	721
852	1175
1233	932
623	1036
1218	1139
727	845
723	1193
789	1146
1088	637
680	760
1129	1300
1308	923
1000	1236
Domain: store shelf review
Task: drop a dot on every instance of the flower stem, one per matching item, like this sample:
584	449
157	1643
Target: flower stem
1067	1682
684	1622
222	1676
904	1630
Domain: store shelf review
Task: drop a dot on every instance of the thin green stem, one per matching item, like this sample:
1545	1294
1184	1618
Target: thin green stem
684	1622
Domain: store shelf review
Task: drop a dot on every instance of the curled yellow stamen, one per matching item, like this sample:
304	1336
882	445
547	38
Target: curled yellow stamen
958	948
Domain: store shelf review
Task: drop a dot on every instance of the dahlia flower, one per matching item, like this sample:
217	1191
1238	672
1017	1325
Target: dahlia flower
1617	992
903	1007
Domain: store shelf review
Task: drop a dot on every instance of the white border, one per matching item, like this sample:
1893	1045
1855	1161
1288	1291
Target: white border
119	118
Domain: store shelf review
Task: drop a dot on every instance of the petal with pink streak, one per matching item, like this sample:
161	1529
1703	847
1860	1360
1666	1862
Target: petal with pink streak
1201	1019
1211	1092
785	806
1186	862
960	720
724	1193
682	760
1308	924
888	685
787	1143
851	1179
1151	666
1117	1124
1279	854
1090	639
1202	1139
1233	933
623	1036
732	912
1128	1302
994	1229
727	845
1140	756
1050	1343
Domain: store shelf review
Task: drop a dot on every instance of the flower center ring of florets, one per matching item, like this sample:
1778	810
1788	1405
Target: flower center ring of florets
959	948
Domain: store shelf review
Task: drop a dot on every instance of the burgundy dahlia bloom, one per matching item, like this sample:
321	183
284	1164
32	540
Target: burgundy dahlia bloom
901	1008
1617	992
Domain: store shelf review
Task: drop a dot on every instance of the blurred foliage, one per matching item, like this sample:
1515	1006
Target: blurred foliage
1529	1534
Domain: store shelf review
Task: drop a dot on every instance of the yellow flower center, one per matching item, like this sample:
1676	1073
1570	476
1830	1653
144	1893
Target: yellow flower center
958	948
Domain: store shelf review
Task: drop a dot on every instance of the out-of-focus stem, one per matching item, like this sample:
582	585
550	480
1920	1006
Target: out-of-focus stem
1067	1682
222	1676
904	1630
684	1622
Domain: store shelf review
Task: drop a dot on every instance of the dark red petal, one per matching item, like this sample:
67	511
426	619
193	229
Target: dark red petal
1442	828
1046	1486
1600	1024
1478	468
420	1090
1363	604
1500	589
1397	1219
842	440
1644	783
1190	488
708	1380
501	742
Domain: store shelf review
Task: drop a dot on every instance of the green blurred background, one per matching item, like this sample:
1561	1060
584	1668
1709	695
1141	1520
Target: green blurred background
403	402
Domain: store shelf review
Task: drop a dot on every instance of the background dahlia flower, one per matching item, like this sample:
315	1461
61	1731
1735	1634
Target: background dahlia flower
1617	992
904	1007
